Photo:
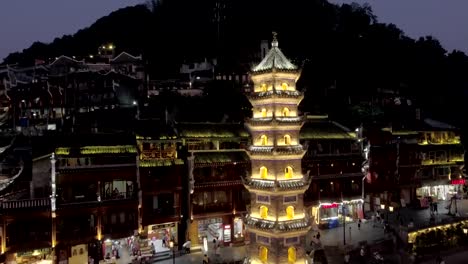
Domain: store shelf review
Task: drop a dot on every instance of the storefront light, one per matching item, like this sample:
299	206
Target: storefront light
205	245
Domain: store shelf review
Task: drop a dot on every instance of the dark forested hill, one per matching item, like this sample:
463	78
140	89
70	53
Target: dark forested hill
342	46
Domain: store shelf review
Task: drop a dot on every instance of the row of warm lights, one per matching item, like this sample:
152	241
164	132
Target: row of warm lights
331	165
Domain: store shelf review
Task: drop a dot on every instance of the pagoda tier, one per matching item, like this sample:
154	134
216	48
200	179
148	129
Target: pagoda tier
277	221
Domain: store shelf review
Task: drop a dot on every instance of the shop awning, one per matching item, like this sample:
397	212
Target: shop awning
209	159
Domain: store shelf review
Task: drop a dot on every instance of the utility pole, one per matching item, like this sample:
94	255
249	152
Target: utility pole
343	212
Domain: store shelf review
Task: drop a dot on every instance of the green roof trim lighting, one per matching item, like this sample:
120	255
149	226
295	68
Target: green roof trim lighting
62	151
160	163
93	150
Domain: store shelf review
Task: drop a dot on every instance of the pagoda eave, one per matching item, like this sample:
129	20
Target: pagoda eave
277	191
276	156
273	127
260	100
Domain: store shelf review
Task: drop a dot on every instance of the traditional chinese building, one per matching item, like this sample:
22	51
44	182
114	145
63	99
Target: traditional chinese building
94	193
415	164
218	198
277	221
162	184
334	160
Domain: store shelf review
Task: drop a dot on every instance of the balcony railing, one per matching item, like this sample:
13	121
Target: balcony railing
26	204
278	94
93	199
440	141
158	154
451	160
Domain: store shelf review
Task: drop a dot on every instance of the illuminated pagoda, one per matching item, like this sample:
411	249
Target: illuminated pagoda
277	221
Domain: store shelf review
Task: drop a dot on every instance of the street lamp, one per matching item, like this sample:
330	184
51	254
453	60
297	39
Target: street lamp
171	245
382	206
390	208
465	230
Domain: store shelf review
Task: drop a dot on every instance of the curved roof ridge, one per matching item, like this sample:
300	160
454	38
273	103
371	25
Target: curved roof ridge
274	59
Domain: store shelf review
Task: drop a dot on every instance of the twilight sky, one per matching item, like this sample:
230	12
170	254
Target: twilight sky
444	19
24	21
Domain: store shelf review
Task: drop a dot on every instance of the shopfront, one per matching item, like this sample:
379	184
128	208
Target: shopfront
226	229
37	256
440	192
330	215
160	235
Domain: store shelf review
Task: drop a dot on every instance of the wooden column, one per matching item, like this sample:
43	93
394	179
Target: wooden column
4	233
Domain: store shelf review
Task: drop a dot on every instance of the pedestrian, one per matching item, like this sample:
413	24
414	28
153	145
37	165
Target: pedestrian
359	224
206	260
362	254
187	245
346	258
215	244
318	235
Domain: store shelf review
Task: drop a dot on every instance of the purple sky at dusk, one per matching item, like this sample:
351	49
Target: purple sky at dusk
445	20
24	21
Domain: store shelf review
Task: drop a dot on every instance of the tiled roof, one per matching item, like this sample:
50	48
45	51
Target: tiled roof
211	130
219	158
160	163
274	59
285	226
280	185
325	129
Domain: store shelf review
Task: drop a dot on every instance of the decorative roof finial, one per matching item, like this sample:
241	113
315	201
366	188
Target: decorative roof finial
274	43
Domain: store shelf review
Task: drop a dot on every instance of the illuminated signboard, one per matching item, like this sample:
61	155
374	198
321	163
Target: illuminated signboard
328	206
458	182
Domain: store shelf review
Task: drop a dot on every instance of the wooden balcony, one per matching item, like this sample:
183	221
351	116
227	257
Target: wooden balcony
40	203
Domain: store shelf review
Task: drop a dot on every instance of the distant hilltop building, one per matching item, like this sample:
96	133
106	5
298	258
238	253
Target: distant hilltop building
45	96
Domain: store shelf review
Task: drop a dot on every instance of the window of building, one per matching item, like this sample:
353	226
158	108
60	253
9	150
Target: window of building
263	172
122	217
284	86
285	111
264	87
287	140
264	112
290	212
263	254
288	172
292	255
263	212
264	140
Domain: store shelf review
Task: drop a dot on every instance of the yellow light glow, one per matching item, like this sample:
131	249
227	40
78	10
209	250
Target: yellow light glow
287	139
264	112
288	172
292	255
382	206
263	254
263	172
284	86
263	212
264	140
111	47
285	112
290	212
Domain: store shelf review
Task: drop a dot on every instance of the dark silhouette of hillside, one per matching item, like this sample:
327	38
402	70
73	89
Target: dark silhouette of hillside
343	47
